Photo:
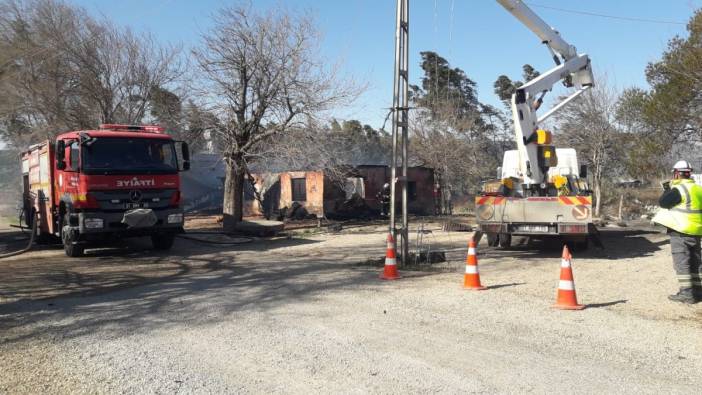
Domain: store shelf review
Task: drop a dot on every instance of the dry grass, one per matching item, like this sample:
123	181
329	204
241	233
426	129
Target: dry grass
636	202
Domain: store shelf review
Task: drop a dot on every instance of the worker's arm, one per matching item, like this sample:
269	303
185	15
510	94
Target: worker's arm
670	198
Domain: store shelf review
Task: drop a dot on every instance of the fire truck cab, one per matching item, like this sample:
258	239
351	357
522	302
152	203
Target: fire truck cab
96	185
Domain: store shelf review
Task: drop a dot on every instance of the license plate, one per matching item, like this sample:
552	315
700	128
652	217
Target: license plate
136	205
533	228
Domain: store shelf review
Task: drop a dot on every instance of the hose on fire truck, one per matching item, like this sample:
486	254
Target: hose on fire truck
35	219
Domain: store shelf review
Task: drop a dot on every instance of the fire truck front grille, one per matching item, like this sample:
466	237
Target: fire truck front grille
120	200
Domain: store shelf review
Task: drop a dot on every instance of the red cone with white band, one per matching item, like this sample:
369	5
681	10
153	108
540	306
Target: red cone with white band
566	298
471	280
390	270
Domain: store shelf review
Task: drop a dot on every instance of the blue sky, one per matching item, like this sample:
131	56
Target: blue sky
478	36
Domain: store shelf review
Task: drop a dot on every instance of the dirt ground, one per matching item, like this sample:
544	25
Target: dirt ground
307	313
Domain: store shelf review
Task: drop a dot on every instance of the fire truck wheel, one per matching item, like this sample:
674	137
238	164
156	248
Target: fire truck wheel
162	241
505	240
68	237
71	249
492	239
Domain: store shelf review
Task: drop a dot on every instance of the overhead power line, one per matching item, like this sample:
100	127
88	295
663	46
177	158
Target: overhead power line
624	18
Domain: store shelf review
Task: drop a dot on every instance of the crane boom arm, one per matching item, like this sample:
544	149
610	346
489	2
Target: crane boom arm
572	69
546	33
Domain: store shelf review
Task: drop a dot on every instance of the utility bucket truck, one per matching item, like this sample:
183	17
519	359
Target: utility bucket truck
97	185
541	190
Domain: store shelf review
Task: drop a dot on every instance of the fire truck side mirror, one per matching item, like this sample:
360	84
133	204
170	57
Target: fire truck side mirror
60	153
583	171
185	151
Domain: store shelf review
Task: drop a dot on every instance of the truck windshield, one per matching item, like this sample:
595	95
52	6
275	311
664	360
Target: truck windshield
129	155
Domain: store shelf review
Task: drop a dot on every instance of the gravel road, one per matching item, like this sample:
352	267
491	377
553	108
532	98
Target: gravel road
301	315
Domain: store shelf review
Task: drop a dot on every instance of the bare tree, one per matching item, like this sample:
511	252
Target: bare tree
590	126
63	69
461	152
261	76
36	86
452	131
118	70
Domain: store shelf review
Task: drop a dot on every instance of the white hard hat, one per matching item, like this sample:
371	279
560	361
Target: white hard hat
682	165
386	185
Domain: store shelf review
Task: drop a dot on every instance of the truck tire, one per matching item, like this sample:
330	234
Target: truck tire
493	239
71	249
505	240
162	242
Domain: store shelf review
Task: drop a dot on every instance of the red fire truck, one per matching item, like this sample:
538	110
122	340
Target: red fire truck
97	185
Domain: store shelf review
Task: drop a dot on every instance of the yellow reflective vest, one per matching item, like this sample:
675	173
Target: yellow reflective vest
686	217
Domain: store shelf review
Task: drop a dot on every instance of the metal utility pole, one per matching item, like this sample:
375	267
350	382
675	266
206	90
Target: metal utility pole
400	123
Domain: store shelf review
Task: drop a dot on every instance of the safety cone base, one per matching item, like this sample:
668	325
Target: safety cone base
478	288
568	307
384	276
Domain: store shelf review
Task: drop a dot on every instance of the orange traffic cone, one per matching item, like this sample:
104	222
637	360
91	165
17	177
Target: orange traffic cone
390	270
566	298
471	280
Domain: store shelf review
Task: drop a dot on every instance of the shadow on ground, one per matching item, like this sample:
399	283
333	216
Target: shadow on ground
619	243
46	272
130	288
605	304
127	290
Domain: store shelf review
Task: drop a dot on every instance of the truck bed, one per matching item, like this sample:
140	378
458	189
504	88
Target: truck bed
561	215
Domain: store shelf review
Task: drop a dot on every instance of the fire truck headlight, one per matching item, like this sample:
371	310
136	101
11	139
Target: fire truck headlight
175	218
93	223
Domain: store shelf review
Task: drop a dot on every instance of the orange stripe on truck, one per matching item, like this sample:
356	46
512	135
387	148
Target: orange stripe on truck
489	200
585	199
575	200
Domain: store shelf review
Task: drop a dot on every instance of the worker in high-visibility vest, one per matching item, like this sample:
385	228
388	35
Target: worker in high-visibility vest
681	213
